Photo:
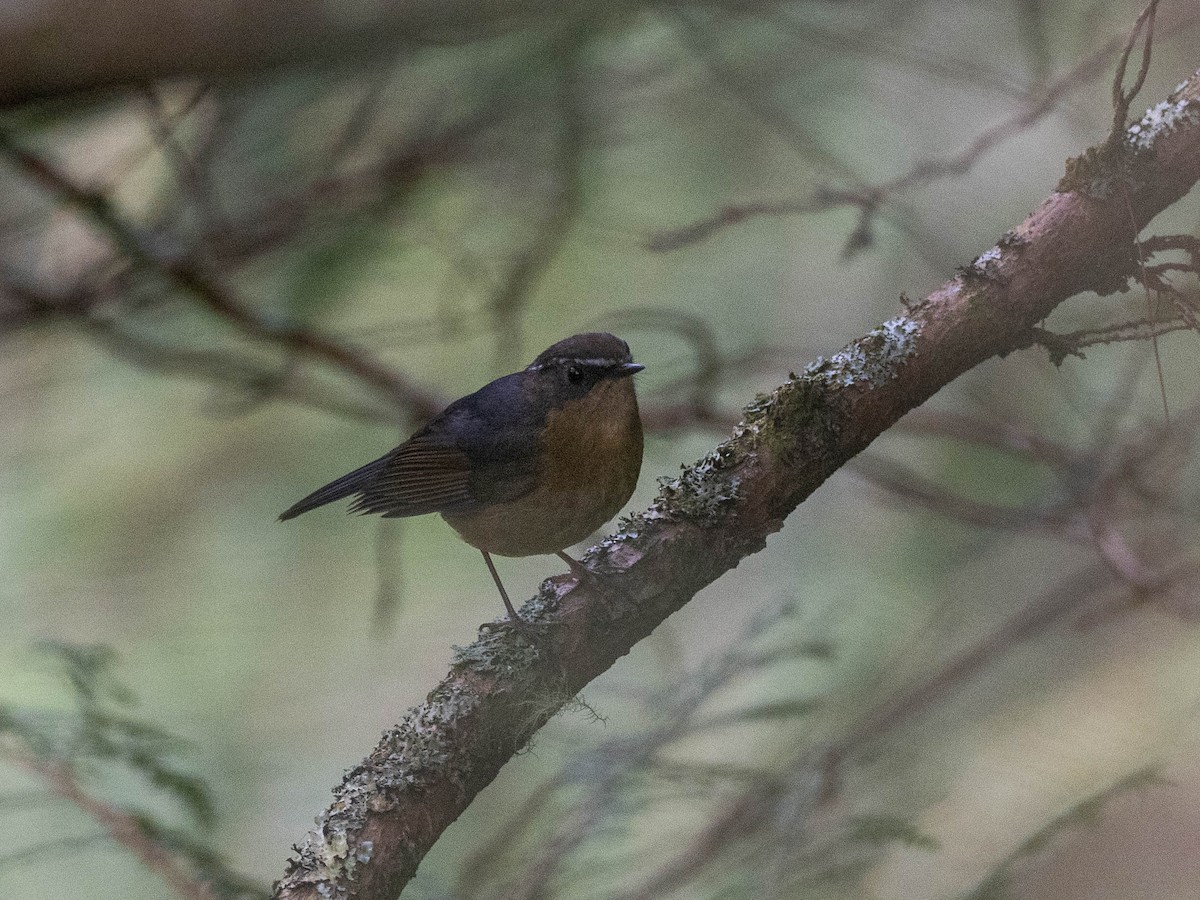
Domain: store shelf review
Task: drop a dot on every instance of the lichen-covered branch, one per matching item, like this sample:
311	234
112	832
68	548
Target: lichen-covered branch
391	808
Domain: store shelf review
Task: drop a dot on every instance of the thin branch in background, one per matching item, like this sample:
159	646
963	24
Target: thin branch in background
702	43
1097	490
870	198
188	276
172	119
372	187
118	825
482	862
255	381
1022	443
926	59
703	378
389	590
362	117
1036	35
816	773
53	850
606	771
29	800
193	180
904	484
510	297
997	882
95	734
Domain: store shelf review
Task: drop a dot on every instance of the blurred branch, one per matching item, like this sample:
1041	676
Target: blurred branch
871	198
56	746
1084	812
256	380
606	771
563	207
703	42
120	43
391	808
193	279
122	827
361	189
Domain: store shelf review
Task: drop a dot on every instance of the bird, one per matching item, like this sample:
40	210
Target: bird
529	464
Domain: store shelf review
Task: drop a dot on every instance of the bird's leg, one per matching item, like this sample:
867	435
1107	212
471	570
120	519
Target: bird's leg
512	613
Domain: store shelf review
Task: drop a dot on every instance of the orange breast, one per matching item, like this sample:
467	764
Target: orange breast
592	454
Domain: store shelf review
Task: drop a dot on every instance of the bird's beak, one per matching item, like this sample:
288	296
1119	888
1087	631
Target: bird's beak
626	369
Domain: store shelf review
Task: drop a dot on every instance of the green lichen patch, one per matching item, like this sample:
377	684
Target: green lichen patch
501	651
1097	172
704	488
327	851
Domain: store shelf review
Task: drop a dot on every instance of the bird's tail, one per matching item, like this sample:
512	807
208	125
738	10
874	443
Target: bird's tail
348	484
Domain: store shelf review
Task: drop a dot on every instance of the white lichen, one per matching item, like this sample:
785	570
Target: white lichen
875	357
982	261
1162	119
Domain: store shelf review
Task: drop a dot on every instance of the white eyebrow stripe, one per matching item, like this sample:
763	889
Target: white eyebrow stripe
595	362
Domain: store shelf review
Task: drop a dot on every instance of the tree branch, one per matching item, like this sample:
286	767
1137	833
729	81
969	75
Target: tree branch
210	291
122	828
391	808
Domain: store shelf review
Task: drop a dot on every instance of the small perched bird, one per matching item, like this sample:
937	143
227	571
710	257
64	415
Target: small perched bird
531	463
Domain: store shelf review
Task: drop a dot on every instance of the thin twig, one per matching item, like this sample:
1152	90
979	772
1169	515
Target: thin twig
207	288
120	826
870	198
1121	99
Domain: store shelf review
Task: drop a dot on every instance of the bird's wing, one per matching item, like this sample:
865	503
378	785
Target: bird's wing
422	475
481	450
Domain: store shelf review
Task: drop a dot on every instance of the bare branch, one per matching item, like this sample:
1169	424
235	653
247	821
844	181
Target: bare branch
869	198
120	826
205	287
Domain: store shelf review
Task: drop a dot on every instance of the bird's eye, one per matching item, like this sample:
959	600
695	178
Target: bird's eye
574	374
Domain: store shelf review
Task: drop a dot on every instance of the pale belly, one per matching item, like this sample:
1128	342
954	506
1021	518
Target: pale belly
544	521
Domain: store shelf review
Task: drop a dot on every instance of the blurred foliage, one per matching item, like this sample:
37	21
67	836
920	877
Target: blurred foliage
92	737
966	654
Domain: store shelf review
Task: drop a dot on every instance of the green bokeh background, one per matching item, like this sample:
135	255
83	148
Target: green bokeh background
139	509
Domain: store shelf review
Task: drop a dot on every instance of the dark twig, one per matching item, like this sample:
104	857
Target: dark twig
208	289
193	179
1071	342
254	378
1121	98
870	198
